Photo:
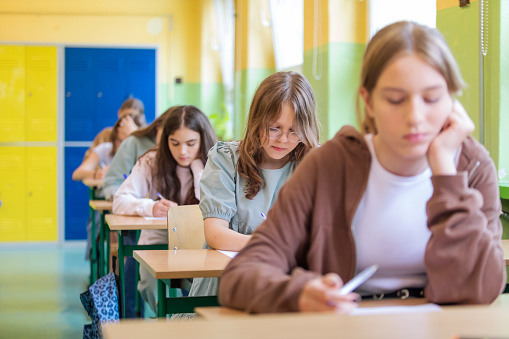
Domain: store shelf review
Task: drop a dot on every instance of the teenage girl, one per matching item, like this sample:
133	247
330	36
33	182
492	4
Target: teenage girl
413	194
96	164
242	179
166	176
137	144
133	110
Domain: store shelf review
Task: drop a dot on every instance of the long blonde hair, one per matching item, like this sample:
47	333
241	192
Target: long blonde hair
401	38
273	92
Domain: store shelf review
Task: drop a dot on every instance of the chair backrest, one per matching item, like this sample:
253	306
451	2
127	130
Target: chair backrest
185	227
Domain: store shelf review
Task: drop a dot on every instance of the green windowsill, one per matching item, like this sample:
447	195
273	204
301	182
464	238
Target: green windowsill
504	191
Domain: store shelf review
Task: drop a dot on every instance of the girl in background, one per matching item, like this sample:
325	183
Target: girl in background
414	194
96	164
131	107
137	144
172	171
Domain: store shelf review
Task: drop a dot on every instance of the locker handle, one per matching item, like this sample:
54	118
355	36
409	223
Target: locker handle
99	95
0	203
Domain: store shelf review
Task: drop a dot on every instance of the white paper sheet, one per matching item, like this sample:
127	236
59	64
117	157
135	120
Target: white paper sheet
396	309
231	254
155	218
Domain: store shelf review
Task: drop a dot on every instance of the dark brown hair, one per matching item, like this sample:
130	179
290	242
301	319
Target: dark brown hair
137	104
164	169
151	130
273	92
402	38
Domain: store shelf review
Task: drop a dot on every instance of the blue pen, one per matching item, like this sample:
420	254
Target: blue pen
263	216
125	176
161	196
102	164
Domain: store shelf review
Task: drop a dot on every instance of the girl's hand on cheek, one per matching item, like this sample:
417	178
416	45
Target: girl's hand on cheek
457	128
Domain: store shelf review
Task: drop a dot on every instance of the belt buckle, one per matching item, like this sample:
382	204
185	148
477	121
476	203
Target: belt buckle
378	296
403	294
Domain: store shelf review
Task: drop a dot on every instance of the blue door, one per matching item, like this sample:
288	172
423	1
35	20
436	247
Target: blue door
97	81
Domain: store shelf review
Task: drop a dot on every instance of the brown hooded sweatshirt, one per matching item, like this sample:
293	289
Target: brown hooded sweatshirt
308	232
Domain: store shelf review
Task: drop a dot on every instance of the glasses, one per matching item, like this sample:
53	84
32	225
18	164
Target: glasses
276	133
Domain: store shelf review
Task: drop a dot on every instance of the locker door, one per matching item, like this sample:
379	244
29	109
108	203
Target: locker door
76	197
80	94
12	93
12	194
111	85
41	193
41	100
141	78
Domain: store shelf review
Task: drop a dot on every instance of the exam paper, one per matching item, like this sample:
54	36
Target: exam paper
231	254
155	218
396	309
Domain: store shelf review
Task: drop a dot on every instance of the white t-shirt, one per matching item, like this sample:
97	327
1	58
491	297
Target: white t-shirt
390	228
103	151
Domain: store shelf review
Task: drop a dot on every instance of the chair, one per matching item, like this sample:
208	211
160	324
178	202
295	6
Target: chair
185	228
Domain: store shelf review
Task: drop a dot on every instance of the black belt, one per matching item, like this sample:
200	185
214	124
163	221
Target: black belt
403	293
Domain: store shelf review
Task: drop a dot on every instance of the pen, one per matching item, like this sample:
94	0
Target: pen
102	164
125	176
161	196
358	280
263	216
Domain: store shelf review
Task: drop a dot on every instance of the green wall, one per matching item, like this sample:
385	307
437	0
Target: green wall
338	73
246	83
460	29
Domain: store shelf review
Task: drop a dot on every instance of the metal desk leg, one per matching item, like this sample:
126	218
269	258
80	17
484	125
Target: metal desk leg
161	298
101	245
137	301
137	295
108	250
121	271
93	256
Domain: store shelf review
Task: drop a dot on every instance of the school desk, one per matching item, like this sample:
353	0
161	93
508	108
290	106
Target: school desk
480	321
93	185
221	312
122	224
103	207
181	264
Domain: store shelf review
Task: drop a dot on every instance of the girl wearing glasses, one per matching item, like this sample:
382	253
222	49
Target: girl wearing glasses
241	180
412	192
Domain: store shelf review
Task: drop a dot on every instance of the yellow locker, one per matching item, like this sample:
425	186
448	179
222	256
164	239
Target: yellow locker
12	93
41	91
41	193
12	194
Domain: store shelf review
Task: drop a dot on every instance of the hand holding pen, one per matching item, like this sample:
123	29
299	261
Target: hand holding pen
162	206
328	294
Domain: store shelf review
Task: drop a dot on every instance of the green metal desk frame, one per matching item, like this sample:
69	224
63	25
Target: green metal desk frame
174	304
127	250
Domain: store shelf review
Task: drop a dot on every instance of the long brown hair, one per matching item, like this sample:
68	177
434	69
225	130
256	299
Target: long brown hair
401	38
164	169
273	92
151	130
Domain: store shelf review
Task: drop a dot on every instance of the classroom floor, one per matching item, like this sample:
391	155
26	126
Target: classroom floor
39	291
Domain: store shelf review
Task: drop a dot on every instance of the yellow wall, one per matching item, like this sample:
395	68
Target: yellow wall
443	4
174	26
348	21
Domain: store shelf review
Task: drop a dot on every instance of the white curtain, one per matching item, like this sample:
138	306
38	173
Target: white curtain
287	17
384	12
